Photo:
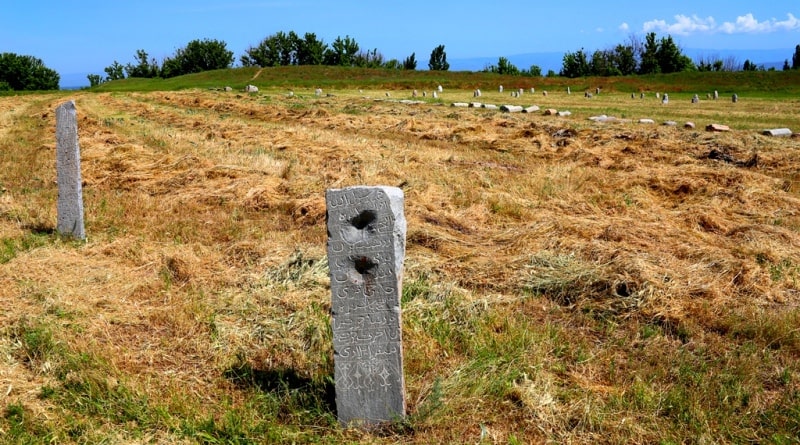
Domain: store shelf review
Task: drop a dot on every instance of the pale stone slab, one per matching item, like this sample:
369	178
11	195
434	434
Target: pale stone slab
474	104
717	127
459	104
777	132
689	125
565	113
670	123
647	121
531	109
68	173
366	248
511	108
490	106
550	111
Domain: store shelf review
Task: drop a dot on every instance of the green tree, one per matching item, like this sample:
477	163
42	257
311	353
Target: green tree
279	49
535	71
196	57
575	64
504	66
649	56
26	73
410	62
368	59
342	52
438	60
143	67
786	66
94	79
796	58
115	71
625	59
310	50
393	64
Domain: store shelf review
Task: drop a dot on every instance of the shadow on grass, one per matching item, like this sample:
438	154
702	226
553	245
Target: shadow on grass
295	391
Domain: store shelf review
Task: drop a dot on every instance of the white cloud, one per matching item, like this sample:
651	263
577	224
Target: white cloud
624	27
749	24
685	25
599	30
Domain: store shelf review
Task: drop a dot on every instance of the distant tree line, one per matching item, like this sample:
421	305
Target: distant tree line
19	73
650	55
279	49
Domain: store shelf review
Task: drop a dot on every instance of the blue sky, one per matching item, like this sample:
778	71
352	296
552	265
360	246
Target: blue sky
79	37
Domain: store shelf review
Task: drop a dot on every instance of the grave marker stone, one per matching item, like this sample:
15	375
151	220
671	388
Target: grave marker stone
68	173
366	248
716	94
500	88
735	98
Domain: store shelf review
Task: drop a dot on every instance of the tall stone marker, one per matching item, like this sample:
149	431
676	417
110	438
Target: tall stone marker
68	173
366	249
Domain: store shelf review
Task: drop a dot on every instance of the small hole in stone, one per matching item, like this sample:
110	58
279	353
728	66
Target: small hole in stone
363	219
364	265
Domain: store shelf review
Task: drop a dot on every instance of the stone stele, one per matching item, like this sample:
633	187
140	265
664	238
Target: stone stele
366	249
68	173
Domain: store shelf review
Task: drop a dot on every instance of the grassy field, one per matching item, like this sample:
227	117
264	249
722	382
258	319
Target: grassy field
566	281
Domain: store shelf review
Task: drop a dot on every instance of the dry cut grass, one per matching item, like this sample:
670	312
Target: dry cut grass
566	281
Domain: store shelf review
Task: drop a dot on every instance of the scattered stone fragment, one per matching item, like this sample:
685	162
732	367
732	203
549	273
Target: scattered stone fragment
511	108
689	125
490	106
735	98
500	88
474	104
531	109
717	127
695	99
550	111
459	104
777	132
440	88
565	113
251	89
647	121
670	123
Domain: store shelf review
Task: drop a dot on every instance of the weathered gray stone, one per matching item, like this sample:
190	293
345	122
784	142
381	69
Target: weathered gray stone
477	93
670	123
520	93
490	106
716	94
414	93
597	91
550	111
459	104
641	95
228	89
531	109
565	113
695	99
366	249
689	125
647	121
500	88
251	89
735	98
511	108
68	173
665	99
633	95
658	95
569	91
777	132
533	90
544	93
474	104
435	95
440	88
318	92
